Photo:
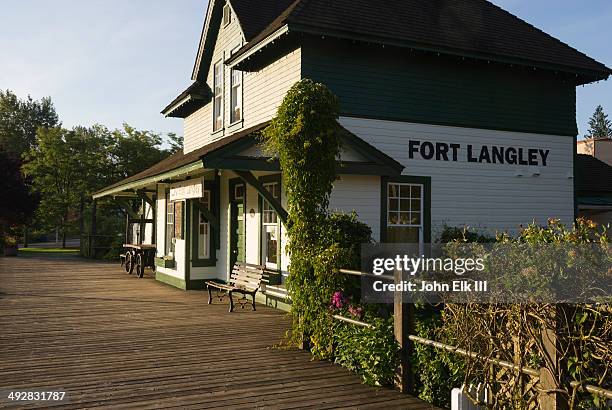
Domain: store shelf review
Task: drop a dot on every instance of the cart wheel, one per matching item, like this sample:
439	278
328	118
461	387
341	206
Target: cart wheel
129	263
139	266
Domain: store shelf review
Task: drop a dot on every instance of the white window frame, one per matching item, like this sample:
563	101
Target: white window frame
218	85
270	226
169	228
421	225
227	14
239	99
204	239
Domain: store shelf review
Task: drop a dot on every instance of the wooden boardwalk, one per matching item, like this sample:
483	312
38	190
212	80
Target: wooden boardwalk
111	340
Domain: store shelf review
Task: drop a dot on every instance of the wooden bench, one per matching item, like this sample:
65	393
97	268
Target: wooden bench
245	279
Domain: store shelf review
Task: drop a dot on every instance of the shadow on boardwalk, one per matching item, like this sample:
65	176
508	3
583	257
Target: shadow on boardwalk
109	339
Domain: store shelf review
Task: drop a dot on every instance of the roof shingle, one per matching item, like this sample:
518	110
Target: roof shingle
462	26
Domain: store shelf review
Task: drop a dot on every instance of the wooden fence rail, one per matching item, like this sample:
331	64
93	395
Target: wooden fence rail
404	329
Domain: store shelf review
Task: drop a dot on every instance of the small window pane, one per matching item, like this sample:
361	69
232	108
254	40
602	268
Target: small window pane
405	205
393	190
404	218
416	191
393	218
415	218
416	205
393	204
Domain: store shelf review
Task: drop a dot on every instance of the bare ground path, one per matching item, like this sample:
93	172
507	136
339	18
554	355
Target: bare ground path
111	340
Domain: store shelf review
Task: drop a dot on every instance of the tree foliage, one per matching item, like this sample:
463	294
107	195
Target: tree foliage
599	124
304	136
20	119
68	166
17	203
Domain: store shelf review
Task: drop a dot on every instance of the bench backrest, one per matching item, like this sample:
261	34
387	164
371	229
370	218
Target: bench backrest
247	276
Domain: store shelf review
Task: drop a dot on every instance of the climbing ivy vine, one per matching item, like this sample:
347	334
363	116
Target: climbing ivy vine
305	138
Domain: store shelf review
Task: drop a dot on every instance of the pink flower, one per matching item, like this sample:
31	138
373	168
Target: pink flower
338	300
356	311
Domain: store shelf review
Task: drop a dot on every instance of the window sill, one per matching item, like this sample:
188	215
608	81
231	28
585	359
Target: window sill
236	125
220	131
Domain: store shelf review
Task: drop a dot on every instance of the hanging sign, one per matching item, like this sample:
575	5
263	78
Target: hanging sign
187	189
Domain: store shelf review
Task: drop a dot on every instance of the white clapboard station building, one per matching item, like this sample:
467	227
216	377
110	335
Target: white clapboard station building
455	113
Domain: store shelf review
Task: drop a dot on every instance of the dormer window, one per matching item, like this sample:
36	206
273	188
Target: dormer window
218	97
227	15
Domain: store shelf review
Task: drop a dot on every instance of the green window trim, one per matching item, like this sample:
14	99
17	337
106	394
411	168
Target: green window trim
232	183
266	179
421	180
213	188
167	238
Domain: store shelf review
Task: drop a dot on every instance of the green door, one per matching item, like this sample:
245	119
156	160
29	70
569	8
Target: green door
237	230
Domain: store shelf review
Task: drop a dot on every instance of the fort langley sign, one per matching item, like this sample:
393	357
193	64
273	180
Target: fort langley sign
494	154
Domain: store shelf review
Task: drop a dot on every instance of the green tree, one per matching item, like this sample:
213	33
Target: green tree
599	124
132	151
17	203
176	142
64	166
20	119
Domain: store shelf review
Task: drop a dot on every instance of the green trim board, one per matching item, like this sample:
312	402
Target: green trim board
441	90
376	162
179	283
422	180
250	179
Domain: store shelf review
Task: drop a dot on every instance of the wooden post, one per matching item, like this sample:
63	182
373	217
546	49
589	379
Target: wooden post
403	321
551	397
142	226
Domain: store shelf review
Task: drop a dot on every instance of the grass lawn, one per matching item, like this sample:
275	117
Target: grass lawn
73	251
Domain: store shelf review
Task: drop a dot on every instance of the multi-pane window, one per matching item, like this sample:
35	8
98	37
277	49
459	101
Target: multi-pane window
270	228
204	228
169	228
218	96
236	96
405	213
174	225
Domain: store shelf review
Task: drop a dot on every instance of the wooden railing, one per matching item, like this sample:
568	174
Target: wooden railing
404	328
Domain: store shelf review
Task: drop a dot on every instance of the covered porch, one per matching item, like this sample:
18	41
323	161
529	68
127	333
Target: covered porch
225	203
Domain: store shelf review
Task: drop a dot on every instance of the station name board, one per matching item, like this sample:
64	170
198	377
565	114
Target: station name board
186	190
485	154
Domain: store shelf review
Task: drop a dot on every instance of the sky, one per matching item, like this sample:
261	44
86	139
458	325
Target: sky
116	61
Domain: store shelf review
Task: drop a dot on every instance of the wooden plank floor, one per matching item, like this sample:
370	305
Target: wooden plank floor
111	340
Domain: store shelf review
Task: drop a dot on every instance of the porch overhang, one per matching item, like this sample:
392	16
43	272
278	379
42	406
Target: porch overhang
245	154
130	188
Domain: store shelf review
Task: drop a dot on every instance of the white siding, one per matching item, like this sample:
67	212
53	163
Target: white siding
198	126
485	196
360	194
263	91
